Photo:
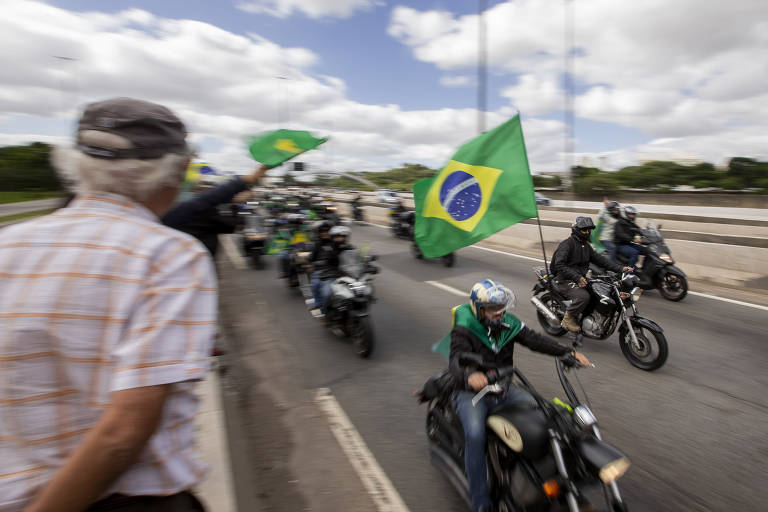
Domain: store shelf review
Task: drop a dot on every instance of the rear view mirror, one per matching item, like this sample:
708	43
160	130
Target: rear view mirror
659	227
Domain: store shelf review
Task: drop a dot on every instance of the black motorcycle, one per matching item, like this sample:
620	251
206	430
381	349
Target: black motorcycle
357	212
542	457
613	303
659	270
448	259
255	238
401	224
350	300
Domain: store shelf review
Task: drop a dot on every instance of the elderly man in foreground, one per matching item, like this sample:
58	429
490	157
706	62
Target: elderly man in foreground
106	319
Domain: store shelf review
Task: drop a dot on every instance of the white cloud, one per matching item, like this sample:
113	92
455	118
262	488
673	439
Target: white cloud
455	80
669	69
311	8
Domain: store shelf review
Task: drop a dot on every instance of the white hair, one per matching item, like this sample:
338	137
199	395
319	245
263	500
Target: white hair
134	178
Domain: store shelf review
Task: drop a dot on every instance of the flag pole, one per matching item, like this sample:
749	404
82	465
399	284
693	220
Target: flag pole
541	237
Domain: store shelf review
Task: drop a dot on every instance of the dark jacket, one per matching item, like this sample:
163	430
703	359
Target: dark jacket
464	340
200	217
572	258
625	231
327	260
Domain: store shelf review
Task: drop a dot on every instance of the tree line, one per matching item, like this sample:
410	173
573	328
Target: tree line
28	168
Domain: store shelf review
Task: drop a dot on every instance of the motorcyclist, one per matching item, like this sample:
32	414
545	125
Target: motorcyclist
608	218
355	204
625	235
486	328
293	227
570	264
327	263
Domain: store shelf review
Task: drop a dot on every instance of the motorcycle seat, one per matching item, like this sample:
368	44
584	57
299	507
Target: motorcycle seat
437	385
523	428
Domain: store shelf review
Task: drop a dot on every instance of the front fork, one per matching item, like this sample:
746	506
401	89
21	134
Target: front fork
630	328
570	495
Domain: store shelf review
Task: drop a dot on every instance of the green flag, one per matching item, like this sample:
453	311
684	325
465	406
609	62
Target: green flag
274	148
485	188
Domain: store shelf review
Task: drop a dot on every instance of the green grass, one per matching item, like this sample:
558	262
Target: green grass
25	215
27	195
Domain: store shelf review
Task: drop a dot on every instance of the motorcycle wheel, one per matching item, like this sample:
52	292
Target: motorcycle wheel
255	260
652	352
449	260
550	329
362	338
416	251
673	287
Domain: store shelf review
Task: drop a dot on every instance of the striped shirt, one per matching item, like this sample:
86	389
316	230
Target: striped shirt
95	298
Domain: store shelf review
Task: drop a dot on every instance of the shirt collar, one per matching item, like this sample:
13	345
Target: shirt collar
114	203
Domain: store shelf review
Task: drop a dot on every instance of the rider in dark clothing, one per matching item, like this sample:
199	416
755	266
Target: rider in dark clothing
624	234
484	328
326	260
570	264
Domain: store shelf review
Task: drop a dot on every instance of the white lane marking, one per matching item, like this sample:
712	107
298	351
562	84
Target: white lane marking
447	288
234	255
698	294
732	301
373	477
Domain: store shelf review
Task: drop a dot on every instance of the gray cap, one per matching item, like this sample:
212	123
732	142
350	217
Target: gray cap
152	129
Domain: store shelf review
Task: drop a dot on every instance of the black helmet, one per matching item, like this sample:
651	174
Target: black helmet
580	224
613	208
323	226
630	212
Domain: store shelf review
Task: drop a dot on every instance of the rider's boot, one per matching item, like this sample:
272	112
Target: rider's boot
570	323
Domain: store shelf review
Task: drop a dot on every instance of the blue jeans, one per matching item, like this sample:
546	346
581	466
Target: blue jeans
610	249
321	290
631	252
473	420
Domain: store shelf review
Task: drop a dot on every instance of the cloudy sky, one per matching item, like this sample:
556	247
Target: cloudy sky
395	81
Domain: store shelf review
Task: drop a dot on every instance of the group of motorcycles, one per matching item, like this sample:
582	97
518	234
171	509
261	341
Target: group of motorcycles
546	457
279	225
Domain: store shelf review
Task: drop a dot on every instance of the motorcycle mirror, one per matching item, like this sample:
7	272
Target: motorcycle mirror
659	227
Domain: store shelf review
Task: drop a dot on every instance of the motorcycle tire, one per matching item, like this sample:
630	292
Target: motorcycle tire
416	252
449	260
550	329
256	261
644	357
673	287
363	338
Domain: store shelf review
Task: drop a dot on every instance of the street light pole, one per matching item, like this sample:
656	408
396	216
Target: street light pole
280	101
482	57
568	86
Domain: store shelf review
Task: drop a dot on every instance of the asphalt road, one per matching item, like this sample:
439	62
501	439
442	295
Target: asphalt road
28	206
694	430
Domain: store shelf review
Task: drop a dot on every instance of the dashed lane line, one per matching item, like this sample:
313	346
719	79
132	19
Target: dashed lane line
447	288
374	479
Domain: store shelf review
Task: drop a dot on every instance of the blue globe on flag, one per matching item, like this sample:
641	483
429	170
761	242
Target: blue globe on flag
460	195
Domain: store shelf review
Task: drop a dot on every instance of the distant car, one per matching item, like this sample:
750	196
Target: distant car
388	196
541	200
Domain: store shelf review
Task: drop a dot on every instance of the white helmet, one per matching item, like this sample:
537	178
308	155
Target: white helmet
339	231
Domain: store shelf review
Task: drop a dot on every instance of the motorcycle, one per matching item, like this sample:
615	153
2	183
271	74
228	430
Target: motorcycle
613	303
448	259
402	224
542	457
357	212
350	300
255	238
659	270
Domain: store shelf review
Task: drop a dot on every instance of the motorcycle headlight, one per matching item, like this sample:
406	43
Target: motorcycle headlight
666	258
603	459
584	417
636	293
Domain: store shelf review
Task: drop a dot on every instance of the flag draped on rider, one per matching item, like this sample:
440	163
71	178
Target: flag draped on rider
463	316
484	188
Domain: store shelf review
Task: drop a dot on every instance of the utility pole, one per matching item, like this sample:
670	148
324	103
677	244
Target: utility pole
568	86
482	64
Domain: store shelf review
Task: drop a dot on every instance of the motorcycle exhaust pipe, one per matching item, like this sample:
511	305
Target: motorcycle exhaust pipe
545	310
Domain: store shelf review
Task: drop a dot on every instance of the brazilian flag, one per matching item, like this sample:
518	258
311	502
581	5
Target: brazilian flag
485	188
274	148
